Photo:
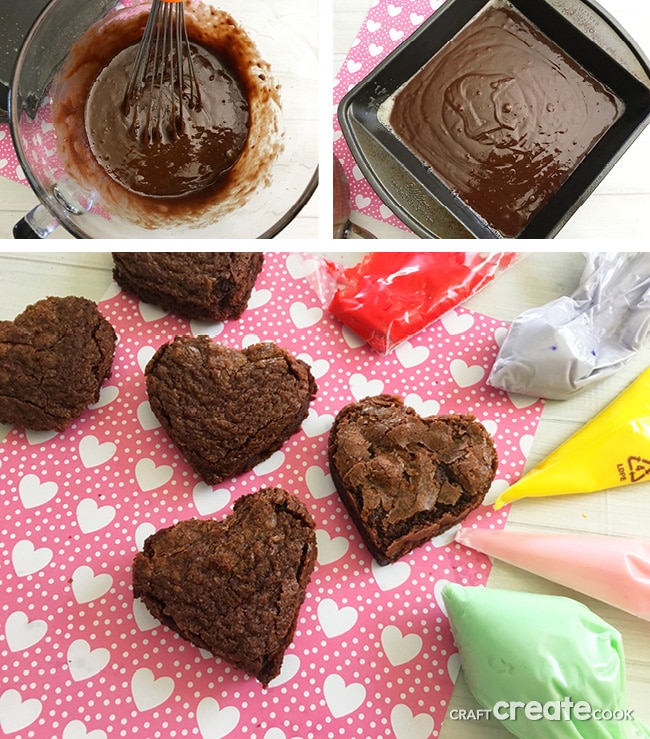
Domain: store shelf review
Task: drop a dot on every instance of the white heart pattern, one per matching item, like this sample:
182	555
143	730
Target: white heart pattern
362	387
34	493
147	417
142	615
290	667
400	649
334	620
465	375
315	425
92	517
77	730
330	549
342	699
392	575
457	323
304	317
319	483
216	722
149	476
411	356
94	453
86	586
407	726
85	662
16	713
21	633
207	500
274	462
150	692
27	559
423	408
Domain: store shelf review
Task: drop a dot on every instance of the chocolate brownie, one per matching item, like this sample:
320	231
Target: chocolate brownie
233	587
54	358
227	409
208	286
405	479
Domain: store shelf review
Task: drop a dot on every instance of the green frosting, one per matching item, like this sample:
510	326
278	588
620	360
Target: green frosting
547	653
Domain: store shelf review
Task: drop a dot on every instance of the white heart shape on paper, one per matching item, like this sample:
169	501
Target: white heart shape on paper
351	338
334	620
526	443
400	648
423	408
149	692
407	726
319	368
3	163
275	461
216	722
492	427
249	340
150	312
77	730
411	356
395	34
385	212
22	633
357	173
392	575
106	396
465	375
85	662
207	500
361	387
86	586
374	49
38	437
496	488
259	298
146	416
337	134
315	425
300	266
20	173
457	323
303	317
393	10
330	549
373	26
361	202
206	328
319	483
143	531
453	666
150	477
2	134
437	592
144	355
342	699
92	517
500	335
446	538
16	713
290	667
34	493
275	733
143	618
353	66
416	19
27	559
521	401
93	452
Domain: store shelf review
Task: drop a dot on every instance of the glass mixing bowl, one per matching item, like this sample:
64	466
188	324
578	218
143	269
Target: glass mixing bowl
286	35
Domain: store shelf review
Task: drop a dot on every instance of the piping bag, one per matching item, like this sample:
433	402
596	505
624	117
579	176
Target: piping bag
549	653
613	569
557	350
611	450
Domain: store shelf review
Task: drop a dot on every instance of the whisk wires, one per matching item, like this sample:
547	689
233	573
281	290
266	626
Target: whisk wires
162	82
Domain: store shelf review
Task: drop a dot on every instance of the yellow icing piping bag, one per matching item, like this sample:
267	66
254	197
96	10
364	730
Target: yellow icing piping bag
611	450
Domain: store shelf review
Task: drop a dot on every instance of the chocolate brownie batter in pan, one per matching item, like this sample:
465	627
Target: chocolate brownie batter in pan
226	151
502	115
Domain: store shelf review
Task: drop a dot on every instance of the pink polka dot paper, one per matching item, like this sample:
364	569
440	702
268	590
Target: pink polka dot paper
372	655
388	24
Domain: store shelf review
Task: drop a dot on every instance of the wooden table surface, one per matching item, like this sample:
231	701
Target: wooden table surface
617	208
534	280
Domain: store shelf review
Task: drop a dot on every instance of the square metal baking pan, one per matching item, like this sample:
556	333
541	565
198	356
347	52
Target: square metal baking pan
413	192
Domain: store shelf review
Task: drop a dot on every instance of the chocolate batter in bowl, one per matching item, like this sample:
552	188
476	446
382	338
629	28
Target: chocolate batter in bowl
246	162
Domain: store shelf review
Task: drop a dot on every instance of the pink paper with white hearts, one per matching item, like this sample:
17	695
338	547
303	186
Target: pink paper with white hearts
388	24
372	655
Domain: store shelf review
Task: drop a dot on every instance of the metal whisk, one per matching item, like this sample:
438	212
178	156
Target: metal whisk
162	83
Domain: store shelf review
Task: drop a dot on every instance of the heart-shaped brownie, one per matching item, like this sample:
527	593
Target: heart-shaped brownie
233	587
209	286
405	479
54	358
227	409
